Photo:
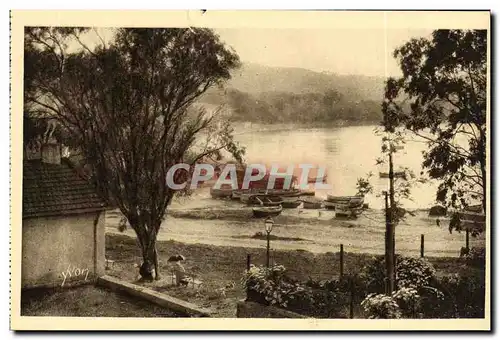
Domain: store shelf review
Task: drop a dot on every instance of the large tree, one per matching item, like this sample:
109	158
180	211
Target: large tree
128	104
442	97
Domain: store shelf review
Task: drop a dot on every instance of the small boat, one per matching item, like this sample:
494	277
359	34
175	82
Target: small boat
340	199
351	201
221	193
267	211
291	204
265	200
236	195
397	174
312	204
307	192
247	194
478	208
356	202
285	192
344	210
329	205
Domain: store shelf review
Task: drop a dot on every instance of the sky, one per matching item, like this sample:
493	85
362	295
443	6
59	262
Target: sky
341	51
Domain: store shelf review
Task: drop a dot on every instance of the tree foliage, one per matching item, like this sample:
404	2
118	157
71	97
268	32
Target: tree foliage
305	108
128	105
441	97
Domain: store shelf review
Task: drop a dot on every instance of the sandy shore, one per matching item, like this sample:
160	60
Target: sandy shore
201	219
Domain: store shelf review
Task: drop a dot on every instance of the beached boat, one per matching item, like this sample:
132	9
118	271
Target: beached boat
236	195
285	192
307	192
221	193
265	200
290	204
267	211
338	199
247	194
397	174
312	203
351	201
344	210
329	205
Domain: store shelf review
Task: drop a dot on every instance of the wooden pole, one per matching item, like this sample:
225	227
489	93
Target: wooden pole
467	239
422	245
392	211
248	261
351	299
341	274
389	256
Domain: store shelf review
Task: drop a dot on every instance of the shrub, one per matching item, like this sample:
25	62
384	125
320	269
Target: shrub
325	299
476	257
414	272
381	306
464	295
410	272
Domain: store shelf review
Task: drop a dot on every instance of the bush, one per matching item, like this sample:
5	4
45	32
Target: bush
381	306
464	295
476	257
414	272
270	286
410	272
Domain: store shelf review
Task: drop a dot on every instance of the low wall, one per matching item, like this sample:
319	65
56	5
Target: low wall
249	309
163	300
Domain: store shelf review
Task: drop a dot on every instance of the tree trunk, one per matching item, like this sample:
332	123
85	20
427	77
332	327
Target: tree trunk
157	269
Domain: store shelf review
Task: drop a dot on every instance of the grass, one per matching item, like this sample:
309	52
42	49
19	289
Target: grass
87	300
221	268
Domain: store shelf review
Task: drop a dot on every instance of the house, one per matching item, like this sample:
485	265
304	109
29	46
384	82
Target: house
63	222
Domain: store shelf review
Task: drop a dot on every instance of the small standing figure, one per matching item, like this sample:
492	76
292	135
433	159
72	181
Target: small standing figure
181	277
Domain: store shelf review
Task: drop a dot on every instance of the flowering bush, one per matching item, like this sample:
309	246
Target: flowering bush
410	272
271	286
414	272
408	300
381	306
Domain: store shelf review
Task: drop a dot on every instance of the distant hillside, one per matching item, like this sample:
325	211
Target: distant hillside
259	93
254	78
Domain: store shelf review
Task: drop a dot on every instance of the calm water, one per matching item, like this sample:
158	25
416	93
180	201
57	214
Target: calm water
348	153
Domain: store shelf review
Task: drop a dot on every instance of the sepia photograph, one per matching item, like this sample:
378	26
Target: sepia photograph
292	170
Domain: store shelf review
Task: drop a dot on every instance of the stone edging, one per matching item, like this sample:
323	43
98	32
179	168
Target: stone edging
155	297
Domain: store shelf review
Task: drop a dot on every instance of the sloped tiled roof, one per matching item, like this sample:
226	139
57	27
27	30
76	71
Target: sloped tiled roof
56	189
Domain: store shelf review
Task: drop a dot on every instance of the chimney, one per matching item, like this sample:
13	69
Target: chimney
51	153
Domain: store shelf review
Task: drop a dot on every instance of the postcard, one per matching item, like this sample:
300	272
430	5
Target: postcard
250	170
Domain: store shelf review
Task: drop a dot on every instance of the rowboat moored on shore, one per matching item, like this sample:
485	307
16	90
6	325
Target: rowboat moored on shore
291	204
221	193
329	205
307	192
265	200
261	212
397	174
312	203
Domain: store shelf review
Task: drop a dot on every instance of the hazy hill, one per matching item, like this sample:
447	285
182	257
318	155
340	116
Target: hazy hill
254	78
278	94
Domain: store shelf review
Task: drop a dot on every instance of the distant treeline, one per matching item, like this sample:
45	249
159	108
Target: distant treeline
286	107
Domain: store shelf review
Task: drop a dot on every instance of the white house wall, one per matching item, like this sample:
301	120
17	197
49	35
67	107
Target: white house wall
62	250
